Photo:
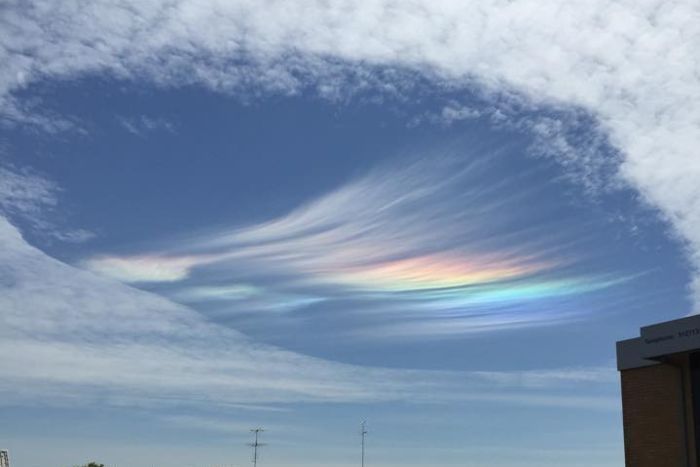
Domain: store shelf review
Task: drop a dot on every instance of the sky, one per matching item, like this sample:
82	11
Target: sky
437	217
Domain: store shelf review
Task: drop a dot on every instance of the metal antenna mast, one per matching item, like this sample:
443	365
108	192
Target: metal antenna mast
363	432
255	445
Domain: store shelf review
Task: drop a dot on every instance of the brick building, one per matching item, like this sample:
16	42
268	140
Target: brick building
660	377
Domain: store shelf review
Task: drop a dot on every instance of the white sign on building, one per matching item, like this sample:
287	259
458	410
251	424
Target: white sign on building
680	335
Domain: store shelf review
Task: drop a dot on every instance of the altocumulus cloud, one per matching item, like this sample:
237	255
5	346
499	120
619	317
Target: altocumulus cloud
631	64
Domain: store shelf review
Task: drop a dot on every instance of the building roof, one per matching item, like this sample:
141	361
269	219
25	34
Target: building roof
657	341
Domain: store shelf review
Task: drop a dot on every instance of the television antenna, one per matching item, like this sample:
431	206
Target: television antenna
256	444
363	433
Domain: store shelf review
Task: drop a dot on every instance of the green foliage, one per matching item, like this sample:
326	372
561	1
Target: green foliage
93	464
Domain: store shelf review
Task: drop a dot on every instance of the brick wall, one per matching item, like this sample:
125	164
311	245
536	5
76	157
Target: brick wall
655	418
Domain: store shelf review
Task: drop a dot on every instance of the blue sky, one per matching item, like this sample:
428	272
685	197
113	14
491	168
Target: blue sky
216	217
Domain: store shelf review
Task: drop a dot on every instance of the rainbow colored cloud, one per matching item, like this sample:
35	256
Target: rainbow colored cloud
431	239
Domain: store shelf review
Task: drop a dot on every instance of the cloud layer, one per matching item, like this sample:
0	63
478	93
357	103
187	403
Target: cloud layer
632	64
71	338
68	334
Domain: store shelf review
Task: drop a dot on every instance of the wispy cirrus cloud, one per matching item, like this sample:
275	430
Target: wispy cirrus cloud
144	124
72	338
90	340
28	196
25	193
436	241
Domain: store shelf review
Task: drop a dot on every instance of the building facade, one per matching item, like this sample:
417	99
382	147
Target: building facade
660	387
4	459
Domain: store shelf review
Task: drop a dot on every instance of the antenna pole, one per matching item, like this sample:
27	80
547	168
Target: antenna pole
363	432
255	445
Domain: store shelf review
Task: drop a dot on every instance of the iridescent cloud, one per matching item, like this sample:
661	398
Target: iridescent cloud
433	238
436	272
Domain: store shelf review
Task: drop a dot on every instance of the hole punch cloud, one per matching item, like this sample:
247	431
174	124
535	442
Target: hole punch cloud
631	65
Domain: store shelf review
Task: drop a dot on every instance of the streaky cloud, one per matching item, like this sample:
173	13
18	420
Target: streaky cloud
73	339
435	237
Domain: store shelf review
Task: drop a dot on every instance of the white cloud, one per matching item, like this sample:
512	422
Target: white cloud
632	64
72	338
25	193
229	292
244	298
144	124
454	112
145	268
427	246
91	338
32	115
229	427
30	197
545	378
